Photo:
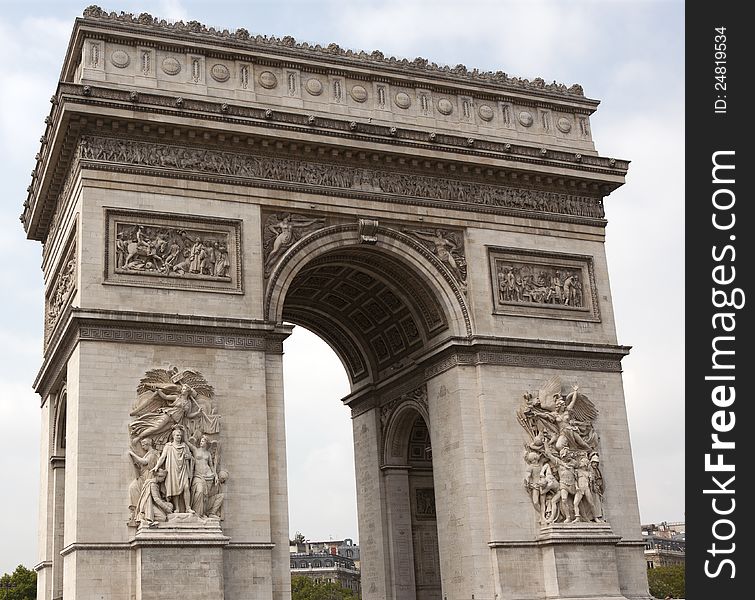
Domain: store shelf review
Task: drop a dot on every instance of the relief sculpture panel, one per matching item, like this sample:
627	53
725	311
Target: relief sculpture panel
543	284
175	450
156	250
62	290
562	473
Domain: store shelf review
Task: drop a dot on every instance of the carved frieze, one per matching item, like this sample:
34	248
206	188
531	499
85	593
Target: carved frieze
262	169
562	475
158	250
175	449
544	284
62	289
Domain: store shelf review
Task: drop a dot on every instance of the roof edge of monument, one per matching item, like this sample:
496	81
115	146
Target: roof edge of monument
288	46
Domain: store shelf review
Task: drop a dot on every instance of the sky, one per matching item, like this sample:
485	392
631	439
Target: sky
628	54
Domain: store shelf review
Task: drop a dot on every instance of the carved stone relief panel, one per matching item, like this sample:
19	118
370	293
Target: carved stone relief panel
543	284
175	449
283	230
562	466
171	251
62	289
448	247
424	503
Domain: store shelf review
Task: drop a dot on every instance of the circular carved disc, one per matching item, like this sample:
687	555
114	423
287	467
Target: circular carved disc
313	86
220	73
171	66
564	125
445	107
359	93
486	113
268	80
526	118
120	59
403	100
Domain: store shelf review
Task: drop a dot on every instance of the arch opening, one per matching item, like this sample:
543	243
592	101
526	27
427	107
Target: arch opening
381	309
376	309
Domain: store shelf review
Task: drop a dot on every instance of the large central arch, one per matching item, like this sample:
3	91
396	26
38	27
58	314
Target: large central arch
382	304
197	192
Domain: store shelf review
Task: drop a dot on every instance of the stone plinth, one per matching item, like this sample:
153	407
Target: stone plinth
180	558
579	561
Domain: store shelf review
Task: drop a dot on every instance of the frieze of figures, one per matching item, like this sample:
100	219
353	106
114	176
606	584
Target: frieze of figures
172	251
293	171
523	283
63	289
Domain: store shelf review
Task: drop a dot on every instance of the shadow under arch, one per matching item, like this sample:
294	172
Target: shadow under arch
379	306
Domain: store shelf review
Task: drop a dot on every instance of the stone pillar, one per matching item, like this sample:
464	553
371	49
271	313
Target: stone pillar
45	512
58	465
373	540
400	532
460	485
276	435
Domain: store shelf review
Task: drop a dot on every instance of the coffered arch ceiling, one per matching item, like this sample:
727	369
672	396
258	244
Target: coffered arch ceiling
368	306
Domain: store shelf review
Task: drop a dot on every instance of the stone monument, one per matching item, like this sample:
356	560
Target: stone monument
196	192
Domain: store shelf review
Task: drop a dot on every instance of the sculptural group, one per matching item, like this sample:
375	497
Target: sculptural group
175	449
562	473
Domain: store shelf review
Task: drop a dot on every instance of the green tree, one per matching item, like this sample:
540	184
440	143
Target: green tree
304	588
666	581
19	585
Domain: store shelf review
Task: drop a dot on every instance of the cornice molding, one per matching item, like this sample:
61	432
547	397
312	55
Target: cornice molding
288	48
78	96
154	328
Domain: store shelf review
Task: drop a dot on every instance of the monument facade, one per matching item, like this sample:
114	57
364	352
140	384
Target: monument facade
196	192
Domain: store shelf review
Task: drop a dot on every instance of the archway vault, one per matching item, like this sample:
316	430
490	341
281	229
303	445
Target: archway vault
380	306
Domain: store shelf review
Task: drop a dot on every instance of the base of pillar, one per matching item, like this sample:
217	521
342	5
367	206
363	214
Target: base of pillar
579	561
181	558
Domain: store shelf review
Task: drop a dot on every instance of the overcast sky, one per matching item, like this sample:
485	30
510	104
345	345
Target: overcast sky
627	54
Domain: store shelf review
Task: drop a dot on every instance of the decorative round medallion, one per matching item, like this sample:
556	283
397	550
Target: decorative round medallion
526	118
220	73
268	80
486	113
171	66
359	93
564	125
445	107
120	59
313	86
403	100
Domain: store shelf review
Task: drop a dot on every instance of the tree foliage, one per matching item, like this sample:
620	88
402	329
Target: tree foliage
304	588
19	585
668	581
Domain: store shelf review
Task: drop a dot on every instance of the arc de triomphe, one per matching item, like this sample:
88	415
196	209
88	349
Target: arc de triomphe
198	191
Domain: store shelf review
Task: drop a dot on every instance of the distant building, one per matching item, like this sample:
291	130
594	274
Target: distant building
664	544
335	561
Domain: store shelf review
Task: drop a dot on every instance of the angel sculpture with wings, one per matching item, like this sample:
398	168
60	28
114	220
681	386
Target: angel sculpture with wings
167	399
282	232
568	419
443	246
